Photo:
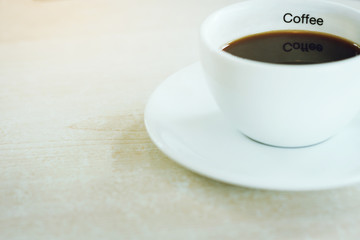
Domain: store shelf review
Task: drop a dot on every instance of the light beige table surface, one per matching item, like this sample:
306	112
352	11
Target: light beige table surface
75	159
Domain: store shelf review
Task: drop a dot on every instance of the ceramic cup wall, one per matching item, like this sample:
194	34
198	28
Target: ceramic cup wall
278	104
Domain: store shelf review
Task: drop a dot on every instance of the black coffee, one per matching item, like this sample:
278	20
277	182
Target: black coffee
293	47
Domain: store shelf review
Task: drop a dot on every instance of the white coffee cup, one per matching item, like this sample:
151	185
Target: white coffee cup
278	104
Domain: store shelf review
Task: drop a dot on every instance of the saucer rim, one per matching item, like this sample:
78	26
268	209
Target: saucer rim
229	178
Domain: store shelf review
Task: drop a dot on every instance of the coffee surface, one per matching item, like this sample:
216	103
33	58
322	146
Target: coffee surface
293	47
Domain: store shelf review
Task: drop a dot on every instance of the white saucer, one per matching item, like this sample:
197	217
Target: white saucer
183	120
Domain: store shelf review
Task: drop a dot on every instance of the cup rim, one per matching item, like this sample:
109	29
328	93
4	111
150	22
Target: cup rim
241	60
